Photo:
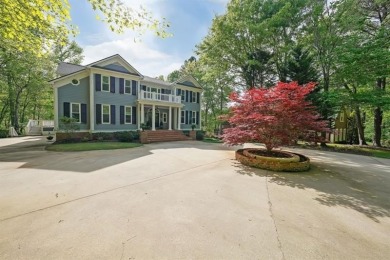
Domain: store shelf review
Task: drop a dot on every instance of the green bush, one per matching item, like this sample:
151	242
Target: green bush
100	136
125	136
3	133
186	132
200	135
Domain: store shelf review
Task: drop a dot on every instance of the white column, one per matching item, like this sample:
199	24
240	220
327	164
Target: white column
154	117
178	118
91	102
139	116
170	119
56	125
142	114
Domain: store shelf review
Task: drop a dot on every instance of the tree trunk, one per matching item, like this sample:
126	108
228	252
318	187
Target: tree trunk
378	115
360	127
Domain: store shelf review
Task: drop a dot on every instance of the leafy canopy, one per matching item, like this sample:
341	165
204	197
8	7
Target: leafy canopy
275	116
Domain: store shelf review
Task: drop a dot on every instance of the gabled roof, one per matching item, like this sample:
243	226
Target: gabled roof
112	59
157	81
65	68
188	81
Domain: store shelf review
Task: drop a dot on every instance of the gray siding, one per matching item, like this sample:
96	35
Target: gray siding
74	94
117	68
117	100
189	106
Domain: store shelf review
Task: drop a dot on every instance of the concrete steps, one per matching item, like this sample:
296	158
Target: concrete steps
163	136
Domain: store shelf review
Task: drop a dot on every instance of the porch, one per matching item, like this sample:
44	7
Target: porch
39	127
161	115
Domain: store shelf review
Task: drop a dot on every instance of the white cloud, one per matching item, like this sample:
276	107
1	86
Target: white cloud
141	55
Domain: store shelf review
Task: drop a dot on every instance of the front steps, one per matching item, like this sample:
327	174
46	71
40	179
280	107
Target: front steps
148	136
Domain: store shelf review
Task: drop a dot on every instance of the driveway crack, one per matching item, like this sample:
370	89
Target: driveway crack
273	218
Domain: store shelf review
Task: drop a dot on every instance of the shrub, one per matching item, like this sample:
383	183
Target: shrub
200	135
103	136
125	136
186	132
3	133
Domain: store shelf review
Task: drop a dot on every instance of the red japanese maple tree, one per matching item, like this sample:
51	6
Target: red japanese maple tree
275	116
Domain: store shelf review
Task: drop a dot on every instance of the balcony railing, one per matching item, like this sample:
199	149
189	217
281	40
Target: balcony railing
159	97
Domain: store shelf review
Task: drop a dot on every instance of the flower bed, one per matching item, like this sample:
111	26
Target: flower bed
287	162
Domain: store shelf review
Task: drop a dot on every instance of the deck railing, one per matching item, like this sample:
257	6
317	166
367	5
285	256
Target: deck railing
159	97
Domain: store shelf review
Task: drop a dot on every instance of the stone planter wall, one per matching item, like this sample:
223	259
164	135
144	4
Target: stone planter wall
272	163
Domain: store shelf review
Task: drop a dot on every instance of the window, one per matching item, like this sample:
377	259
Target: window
75	82
75	111
164	117
106	114
127	86
183	117
183	95
128	115
193	97
106	83
193	117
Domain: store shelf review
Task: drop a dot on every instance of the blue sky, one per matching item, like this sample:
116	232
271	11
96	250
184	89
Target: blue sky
152	56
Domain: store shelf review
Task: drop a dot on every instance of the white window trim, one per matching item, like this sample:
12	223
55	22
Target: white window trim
183	117
71	111
193	97
109	83
131	115
164	117
109	114
124	88
193	117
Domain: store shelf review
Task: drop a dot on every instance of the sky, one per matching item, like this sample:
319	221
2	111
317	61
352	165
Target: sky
150	55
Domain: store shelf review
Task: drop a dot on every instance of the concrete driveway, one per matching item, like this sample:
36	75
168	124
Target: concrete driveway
188	200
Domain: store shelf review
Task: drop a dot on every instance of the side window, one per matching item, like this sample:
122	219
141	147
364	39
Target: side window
127	86
183	118
106	114
106	83
75	111
193	97
164	117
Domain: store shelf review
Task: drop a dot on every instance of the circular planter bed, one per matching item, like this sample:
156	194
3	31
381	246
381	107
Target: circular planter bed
274	160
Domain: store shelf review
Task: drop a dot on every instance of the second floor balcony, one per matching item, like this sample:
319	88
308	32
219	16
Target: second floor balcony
154	96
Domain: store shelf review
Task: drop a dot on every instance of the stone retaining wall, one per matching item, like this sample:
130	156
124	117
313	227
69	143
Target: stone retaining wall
272	163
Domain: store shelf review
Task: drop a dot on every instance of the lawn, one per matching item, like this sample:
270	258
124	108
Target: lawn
354	149
77	147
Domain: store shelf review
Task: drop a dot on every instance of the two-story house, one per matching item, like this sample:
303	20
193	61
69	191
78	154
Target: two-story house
111	95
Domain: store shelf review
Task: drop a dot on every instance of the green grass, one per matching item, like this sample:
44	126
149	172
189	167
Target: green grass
355	149
77	147
212	140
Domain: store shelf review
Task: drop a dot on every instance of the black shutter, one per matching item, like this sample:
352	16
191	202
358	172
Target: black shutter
134	115
197	97
67	109
121	86
197	117
112	114
112	84
187	117
186	95
134	87
84	113
98	82
190	96
121	115
98	113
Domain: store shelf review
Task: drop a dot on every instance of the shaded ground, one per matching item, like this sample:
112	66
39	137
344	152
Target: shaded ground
188	200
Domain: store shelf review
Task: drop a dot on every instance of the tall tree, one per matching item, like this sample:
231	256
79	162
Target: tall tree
68	51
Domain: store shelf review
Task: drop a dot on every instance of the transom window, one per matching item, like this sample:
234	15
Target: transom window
193	117
183	117
106	83
128	115
127	86
106	114
75	111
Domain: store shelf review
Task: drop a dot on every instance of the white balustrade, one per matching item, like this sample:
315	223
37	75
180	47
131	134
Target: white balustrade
160	97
